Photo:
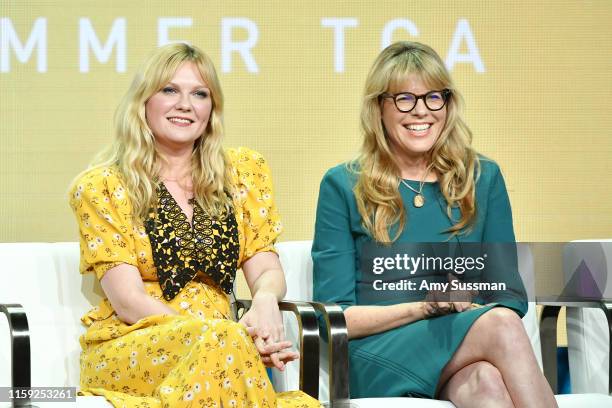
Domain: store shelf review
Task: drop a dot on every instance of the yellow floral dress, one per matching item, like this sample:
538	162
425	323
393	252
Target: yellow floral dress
198	358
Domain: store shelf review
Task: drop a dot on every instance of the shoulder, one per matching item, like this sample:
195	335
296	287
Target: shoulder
105	181
489	170
490	183
246	162
249	168
97	176
244	157
339	181
343	175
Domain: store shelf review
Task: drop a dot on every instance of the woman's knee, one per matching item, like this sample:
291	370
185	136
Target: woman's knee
218	330
486	382
229	328
504	327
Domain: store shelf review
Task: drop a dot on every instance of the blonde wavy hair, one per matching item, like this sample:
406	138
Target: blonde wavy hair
451	157
134	151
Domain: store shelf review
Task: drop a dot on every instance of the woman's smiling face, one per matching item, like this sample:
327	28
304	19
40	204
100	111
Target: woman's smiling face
412	133
178	114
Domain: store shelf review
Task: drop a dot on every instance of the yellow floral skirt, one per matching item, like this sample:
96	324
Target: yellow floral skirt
195	359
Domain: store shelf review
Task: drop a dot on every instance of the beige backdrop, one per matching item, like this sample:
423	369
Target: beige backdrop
536	78
536	81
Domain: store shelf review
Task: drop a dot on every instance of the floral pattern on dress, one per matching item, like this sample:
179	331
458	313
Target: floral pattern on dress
198	358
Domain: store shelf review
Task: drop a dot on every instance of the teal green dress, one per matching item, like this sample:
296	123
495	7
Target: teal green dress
407	360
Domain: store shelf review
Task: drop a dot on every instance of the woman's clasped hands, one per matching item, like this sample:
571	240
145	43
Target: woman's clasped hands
264	324
440	303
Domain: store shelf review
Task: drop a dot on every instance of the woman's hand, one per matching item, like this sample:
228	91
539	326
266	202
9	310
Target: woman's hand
272	354
280	359
265	324
440	303
264	275
433	308
265	315
461	299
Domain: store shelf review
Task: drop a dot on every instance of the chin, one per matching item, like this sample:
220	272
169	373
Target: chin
420	148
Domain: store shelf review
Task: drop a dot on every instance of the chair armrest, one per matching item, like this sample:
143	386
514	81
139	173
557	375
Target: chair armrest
309	342
338	358
548	334
20	348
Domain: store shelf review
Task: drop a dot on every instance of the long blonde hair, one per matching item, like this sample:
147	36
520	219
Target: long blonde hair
451	157
134	151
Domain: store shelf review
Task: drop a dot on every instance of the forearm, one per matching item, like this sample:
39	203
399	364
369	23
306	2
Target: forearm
271	283
364	321
267	283
139	306
125	291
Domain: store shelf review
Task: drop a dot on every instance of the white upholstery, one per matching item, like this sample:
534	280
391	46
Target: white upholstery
44	278
588	338
297	264
588	344
296	261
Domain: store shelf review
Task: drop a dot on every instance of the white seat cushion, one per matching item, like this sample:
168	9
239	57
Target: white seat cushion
584	401
564	401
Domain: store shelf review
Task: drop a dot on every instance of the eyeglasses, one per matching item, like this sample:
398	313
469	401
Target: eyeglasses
406	101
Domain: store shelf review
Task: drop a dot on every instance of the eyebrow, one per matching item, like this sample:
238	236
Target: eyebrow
199	87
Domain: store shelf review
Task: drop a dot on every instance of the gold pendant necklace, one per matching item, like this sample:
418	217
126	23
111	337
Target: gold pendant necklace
419	199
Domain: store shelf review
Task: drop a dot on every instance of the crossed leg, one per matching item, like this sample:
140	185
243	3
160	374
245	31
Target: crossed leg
477	385
495	366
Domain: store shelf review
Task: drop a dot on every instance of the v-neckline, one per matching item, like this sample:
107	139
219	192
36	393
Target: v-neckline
210	245
182	211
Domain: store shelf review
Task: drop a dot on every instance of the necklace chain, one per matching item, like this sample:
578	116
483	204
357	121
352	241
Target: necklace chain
419	199
412	188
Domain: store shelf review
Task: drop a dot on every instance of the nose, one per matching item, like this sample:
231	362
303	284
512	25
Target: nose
183	103
420	109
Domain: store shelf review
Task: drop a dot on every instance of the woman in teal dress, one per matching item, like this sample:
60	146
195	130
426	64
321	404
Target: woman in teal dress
418	180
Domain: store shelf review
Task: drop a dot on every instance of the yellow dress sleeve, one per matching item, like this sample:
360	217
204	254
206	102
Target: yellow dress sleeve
103	213
257	216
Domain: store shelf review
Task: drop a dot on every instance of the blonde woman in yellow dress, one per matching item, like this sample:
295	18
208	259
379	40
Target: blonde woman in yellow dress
166	217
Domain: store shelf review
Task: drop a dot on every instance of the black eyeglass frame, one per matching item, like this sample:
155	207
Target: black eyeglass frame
445	94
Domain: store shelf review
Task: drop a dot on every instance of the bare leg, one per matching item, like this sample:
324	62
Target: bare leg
478	385
499	337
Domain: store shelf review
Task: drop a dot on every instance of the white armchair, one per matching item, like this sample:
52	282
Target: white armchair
43	278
